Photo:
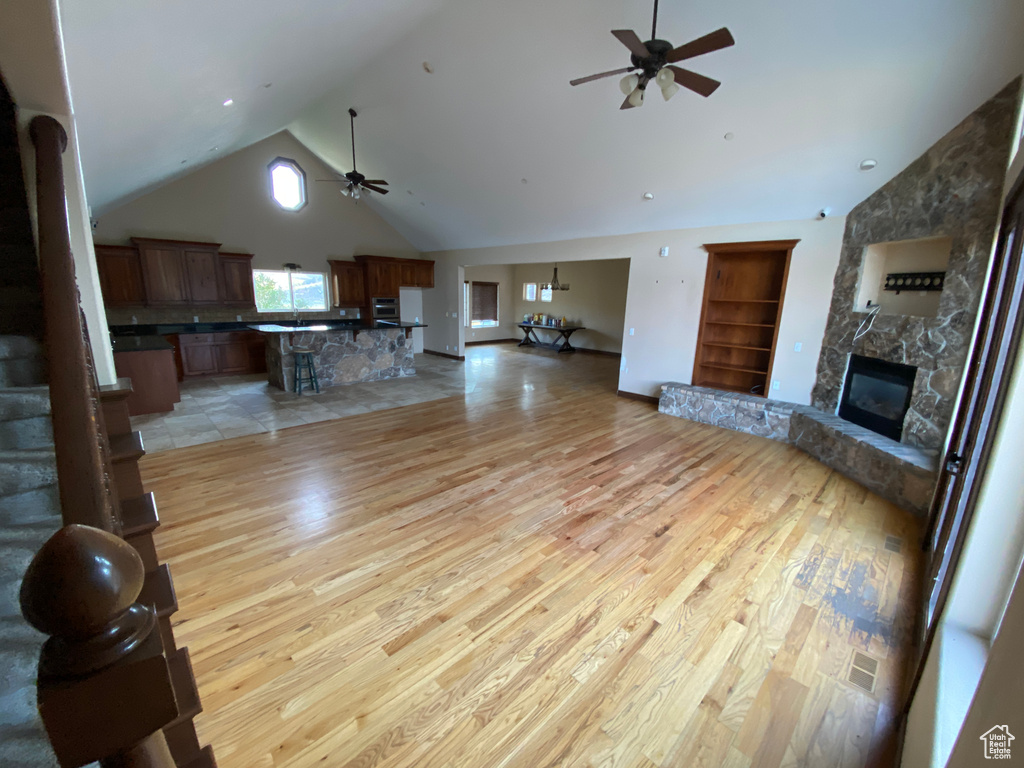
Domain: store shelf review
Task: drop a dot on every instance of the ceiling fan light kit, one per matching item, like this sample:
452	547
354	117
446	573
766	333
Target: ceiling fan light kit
656	60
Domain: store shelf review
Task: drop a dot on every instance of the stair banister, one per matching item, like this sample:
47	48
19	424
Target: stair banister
86	495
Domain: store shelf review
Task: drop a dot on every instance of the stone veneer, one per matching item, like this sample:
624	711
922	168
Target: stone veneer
952	190
341	357
899	473
732	410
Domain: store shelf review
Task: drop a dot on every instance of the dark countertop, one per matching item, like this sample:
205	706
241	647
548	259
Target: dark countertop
140	344
283	326
330	325
552	327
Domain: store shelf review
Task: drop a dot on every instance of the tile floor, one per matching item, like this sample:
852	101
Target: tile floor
221	407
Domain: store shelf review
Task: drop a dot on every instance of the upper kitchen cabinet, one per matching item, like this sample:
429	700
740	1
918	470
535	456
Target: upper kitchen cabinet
384	275
120	275
423	271
348	284
202	270
163	271
236	280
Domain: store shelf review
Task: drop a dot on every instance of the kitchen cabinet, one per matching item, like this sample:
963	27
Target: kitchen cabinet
236	280
120	275
232	352
384	275
176	272
348	284
383	278
424	273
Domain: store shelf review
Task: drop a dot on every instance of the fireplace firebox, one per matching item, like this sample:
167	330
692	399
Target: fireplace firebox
876	394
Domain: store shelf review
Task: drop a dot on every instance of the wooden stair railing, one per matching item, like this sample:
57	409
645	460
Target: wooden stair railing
149	678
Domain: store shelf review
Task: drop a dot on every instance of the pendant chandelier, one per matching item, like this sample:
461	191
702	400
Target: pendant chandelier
554	285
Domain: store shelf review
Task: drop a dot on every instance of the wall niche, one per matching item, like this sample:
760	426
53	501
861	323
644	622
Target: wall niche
926	254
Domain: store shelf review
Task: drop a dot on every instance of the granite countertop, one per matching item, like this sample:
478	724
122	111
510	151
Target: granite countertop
139	344
331	325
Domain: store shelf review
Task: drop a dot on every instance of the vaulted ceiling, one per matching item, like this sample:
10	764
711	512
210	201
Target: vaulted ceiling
493	146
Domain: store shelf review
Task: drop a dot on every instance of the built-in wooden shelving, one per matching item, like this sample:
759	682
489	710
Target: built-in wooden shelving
743	298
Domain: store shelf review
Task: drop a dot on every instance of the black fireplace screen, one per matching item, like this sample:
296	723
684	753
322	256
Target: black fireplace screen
877	394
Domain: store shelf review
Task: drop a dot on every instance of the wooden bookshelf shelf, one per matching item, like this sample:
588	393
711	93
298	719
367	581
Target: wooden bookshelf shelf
739	324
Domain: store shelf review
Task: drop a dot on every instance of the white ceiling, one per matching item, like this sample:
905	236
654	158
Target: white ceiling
809	90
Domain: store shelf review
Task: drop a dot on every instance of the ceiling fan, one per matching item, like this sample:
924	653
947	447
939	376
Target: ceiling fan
655	61
354	182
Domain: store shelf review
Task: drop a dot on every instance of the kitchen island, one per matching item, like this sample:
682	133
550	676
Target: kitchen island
344	352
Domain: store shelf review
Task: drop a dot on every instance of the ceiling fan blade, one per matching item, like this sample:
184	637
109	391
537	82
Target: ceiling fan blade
713	41
705	86
629	39
379	190
376	181
333	181
581	80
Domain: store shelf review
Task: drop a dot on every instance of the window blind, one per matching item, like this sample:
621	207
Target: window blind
485	302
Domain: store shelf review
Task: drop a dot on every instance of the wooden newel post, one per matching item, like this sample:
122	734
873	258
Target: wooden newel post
104	687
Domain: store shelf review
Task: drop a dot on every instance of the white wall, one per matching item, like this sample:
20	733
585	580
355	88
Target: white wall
504	276
229	202
596	299
32	62
410	303
664	299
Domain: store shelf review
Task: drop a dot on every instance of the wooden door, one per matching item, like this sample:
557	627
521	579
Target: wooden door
120	275
236	280
198	359
202	269
232	356
348	286
163	273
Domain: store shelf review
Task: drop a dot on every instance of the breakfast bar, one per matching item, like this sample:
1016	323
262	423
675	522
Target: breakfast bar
342	352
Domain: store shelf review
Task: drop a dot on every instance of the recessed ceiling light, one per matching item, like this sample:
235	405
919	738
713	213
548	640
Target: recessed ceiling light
214	149
184	161
867	165
523	180
428	68
648	195
729	136
422	203
267	85
228	102
409	191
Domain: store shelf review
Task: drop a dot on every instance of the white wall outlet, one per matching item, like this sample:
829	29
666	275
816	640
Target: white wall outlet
664	251
238	318
775	384
631	330
135	320
473	334
798	347
341	312
195	318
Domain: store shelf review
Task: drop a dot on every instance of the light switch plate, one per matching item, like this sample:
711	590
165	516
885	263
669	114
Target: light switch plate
798	347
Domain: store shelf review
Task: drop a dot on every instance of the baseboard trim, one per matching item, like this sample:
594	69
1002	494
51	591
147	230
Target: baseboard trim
636	396
598	352
494	341
460	358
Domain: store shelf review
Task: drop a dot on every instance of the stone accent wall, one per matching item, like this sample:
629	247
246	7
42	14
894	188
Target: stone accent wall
341	357
898	473
952	190
732	410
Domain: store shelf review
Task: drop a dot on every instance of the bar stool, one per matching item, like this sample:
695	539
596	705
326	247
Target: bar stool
305	372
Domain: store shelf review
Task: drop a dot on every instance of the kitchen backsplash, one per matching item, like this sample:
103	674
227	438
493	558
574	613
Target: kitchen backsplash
161	315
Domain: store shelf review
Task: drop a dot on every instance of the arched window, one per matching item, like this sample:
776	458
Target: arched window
287	184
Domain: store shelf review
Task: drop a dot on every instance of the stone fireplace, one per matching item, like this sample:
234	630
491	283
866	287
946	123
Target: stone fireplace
949	194
876	394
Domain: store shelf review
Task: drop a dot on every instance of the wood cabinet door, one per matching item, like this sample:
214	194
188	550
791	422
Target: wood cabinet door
163	273
120	275
348	284
202	269
232	357
408	274
424	274
198	360
236	281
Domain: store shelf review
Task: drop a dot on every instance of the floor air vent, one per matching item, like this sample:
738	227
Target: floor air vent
863	672
893	543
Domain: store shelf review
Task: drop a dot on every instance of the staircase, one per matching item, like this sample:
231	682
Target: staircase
29	504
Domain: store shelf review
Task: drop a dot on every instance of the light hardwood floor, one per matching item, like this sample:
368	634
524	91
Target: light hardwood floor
536	573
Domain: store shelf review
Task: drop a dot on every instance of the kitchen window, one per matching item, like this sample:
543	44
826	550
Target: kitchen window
485	305
529	291
279	290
